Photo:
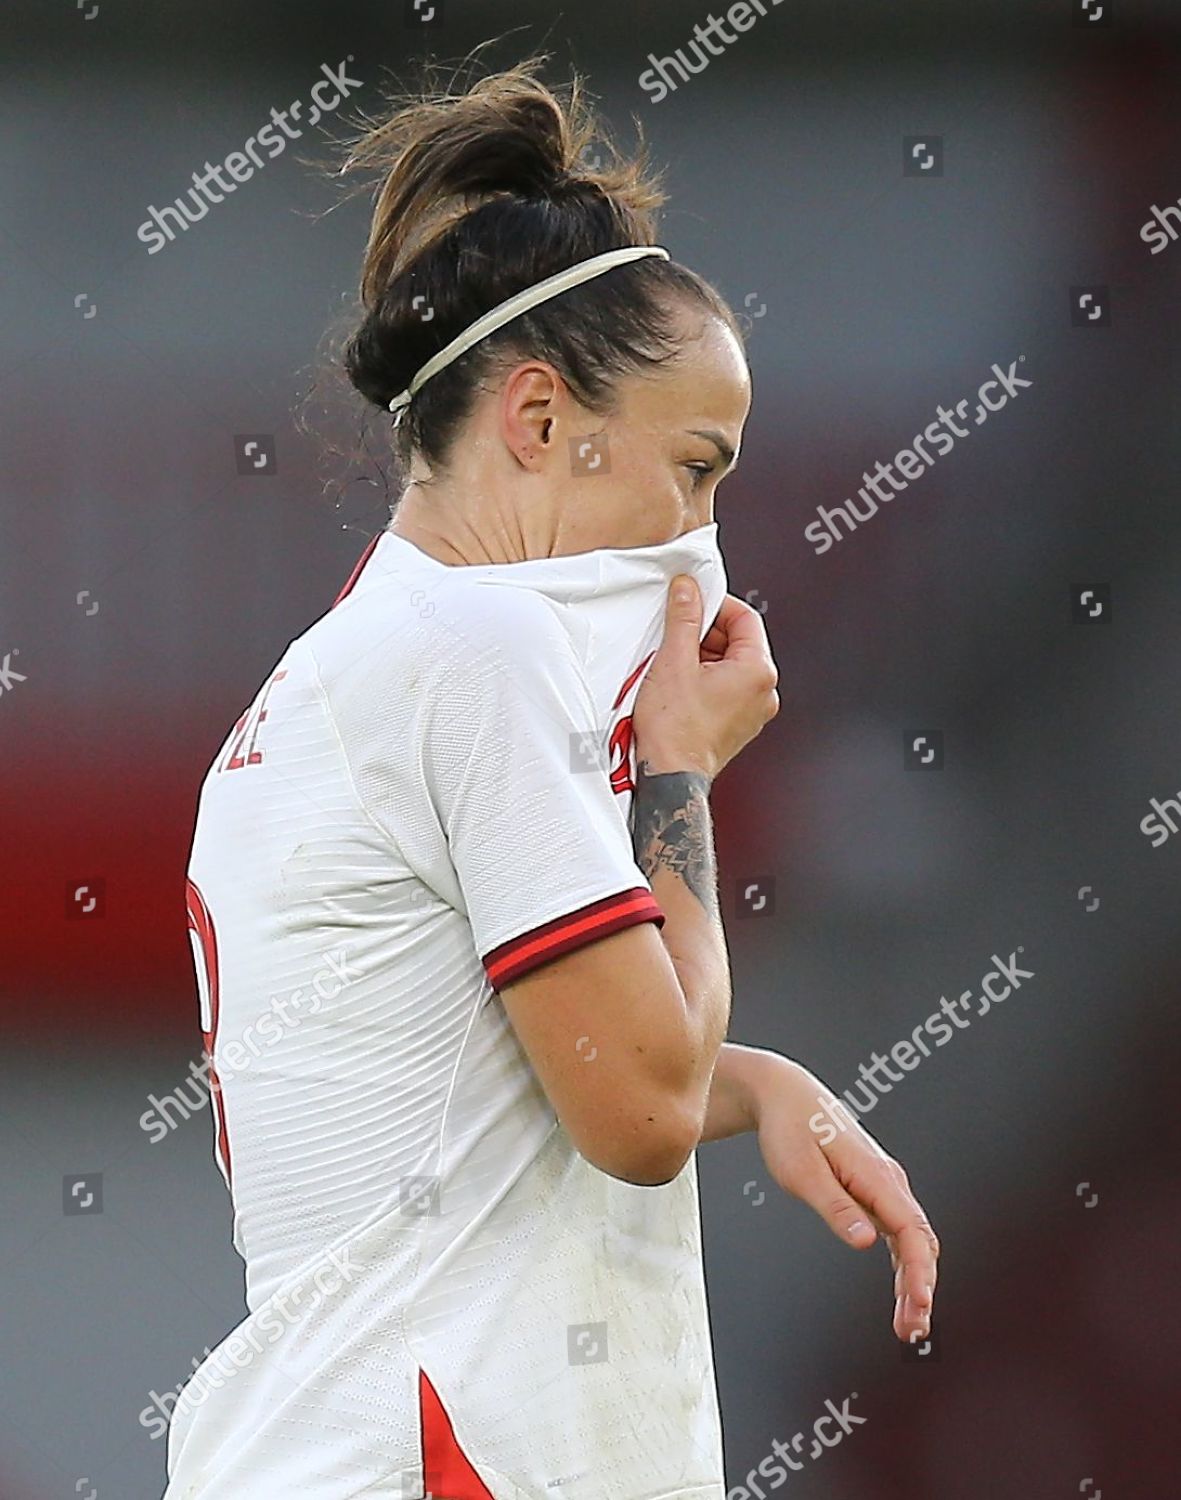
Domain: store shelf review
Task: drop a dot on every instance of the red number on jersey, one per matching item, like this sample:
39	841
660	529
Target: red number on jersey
203	938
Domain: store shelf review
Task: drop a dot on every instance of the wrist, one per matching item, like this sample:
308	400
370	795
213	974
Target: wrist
757	1076
657	760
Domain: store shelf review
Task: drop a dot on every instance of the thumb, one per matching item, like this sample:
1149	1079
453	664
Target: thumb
682	619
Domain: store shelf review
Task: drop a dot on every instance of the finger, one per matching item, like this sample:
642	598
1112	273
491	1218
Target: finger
682	620
822	1191
746	635
914	1283
912	1315
914	1250
713	647
900	1217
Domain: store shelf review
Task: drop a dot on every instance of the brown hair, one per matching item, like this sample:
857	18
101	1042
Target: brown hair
480	194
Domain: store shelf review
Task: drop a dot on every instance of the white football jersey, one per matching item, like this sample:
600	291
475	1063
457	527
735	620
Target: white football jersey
428	797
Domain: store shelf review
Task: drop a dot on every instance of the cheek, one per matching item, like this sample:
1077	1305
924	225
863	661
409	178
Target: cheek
649	503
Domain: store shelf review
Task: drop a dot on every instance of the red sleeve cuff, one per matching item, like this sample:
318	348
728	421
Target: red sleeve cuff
532	949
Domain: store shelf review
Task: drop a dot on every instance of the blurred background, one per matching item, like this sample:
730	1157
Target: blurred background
153	567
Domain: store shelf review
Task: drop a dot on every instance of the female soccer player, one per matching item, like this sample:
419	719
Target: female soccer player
452	888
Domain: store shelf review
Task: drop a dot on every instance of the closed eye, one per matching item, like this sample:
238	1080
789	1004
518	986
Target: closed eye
699	471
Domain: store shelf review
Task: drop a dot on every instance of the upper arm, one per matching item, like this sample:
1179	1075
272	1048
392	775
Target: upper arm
595	1025
562	916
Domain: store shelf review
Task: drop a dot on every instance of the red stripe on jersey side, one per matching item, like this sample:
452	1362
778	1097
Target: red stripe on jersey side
624	690
446	1469
201	924
612	914
356	573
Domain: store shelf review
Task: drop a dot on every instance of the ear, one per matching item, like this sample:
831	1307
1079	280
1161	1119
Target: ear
531	404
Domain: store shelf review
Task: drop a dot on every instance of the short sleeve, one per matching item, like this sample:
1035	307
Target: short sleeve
514	766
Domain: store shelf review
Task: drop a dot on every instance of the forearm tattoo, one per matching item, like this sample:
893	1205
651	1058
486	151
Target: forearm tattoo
671	830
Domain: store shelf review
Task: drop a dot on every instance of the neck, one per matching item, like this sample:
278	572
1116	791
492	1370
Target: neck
462	521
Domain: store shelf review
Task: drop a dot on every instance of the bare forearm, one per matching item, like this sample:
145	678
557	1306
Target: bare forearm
740	1075
673	839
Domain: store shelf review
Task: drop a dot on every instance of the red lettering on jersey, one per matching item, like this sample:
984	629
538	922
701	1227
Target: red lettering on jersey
620	745
240	735
234	760
622	735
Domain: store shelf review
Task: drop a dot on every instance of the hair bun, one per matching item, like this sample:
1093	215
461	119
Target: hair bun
440	157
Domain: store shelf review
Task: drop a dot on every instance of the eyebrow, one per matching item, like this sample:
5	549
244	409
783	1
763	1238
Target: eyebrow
718	441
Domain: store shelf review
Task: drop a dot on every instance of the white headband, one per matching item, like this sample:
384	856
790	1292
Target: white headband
552	286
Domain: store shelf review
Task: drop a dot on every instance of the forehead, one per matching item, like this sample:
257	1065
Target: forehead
707	380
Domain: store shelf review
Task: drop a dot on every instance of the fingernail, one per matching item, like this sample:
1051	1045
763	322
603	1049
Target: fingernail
683	593
857	1226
